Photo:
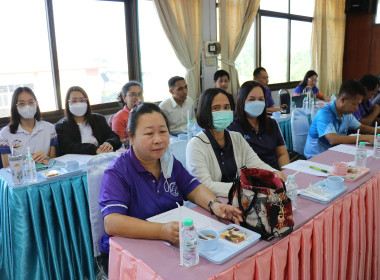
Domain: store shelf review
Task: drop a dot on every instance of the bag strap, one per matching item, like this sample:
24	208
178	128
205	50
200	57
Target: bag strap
251	204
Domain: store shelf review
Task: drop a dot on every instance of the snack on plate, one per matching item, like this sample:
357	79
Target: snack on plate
233	234
353	170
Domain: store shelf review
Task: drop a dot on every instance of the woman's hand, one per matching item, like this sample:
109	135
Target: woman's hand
40	157
227	212
281	175
170	232
104	148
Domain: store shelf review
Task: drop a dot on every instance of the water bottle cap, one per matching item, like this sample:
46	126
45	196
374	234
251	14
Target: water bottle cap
191	121
290	177
362	144
188	222
378	135
293	102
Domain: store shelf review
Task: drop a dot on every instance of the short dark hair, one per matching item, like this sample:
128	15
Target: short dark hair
142	109
308	74
351	88
370	82
173	80
257	71
15	116
204	112
240	114
69	115
220	73
125	89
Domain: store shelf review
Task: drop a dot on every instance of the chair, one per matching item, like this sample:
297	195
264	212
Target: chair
178	150
95	171
110	119
298	100
285	98
300	129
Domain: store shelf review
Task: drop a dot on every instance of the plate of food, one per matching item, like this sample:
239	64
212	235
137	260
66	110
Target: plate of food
52	173
354	173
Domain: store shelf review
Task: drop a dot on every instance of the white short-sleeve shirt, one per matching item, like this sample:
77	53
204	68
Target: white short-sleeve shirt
177	115
42	137
86	134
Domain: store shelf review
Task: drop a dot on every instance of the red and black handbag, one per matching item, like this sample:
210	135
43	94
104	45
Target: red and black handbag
261	196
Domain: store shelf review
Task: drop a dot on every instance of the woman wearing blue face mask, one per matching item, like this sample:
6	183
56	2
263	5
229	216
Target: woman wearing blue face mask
261	132
215	155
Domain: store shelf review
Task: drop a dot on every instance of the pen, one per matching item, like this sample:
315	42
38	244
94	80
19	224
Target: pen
171	246
319	169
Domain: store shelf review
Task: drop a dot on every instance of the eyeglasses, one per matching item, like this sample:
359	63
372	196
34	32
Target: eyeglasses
263	77
23	104
78	100
133	94
313	80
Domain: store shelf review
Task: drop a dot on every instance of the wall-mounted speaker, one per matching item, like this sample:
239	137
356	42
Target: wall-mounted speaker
360	6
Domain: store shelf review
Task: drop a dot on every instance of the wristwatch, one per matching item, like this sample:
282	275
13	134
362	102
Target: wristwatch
211	203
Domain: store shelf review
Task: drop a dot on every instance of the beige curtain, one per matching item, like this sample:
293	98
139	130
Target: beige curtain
235	21
327	43
182	23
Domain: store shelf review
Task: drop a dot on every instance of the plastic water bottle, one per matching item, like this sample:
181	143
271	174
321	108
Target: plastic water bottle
292	107
361	155
190	243
291	190
333	98
190	129
376	147
305	105
30	168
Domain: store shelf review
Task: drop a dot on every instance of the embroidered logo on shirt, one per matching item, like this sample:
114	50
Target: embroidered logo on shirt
246	137
17	144
173	189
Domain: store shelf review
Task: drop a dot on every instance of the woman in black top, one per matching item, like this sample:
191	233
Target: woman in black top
83	132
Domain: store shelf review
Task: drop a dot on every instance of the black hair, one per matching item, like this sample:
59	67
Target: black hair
370	82
308	74
204	112
257	71
142	109
220	73
240	113
15	116
351	88
125	89
173	80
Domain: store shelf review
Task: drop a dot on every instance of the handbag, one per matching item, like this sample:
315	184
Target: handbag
261	196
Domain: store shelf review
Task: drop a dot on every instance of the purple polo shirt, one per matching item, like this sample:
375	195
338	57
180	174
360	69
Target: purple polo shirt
129	189
269	102
363	110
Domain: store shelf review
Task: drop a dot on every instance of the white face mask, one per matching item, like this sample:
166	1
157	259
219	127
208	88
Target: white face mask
28	111
78	109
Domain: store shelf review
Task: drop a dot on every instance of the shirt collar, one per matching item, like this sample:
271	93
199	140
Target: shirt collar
37	127
215	144
126	109
333	109
174	104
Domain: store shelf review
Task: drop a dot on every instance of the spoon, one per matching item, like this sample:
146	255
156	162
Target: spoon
203	236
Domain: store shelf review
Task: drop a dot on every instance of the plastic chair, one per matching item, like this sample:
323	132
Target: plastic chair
285	98
178	150
95	171
110	119
300	129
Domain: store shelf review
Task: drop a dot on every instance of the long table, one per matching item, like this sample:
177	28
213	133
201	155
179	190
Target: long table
45	230
334	241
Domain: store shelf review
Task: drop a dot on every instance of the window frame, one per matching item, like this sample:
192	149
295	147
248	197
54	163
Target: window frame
288	84
133	57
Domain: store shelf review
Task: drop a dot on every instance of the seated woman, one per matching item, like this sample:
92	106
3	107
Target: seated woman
147	180
261	132
130	96
310	80
216	155
27	130
83	132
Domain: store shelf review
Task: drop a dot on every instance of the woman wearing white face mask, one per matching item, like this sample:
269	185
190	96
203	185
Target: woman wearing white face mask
83	132
216	155
27	130
261	132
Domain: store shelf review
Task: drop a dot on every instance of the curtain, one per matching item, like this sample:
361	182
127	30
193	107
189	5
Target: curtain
235	21
182	23
327	43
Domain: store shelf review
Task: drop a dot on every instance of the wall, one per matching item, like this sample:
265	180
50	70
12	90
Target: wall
361	47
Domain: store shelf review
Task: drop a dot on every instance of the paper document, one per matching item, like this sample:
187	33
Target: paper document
304	167
82	159
200	221
349	149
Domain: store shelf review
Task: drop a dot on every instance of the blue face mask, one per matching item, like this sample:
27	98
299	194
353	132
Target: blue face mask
222	119
254	108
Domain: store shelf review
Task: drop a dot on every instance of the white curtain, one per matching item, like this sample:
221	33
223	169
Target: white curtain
235	21
182	23
327	44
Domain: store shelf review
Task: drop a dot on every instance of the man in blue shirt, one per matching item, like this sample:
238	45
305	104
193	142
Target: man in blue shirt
331	124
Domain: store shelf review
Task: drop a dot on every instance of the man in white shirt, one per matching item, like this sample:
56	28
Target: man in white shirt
179	106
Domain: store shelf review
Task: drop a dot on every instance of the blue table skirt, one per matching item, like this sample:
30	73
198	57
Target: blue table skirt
45	231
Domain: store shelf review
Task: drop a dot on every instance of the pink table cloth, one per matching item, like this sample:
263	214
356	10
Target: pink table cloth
333	241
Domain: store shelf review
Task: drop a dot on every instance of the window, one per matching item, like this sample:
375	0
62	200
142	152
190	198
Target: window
377	16
158	60
283	41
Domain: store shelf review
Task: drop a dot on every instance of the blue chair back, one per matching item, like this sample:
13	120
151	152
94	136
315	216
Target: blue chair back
300	129
178	150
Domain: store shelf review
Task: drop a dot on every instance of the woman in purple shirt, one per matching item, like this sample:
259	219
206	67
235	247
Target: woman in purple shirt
146	181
